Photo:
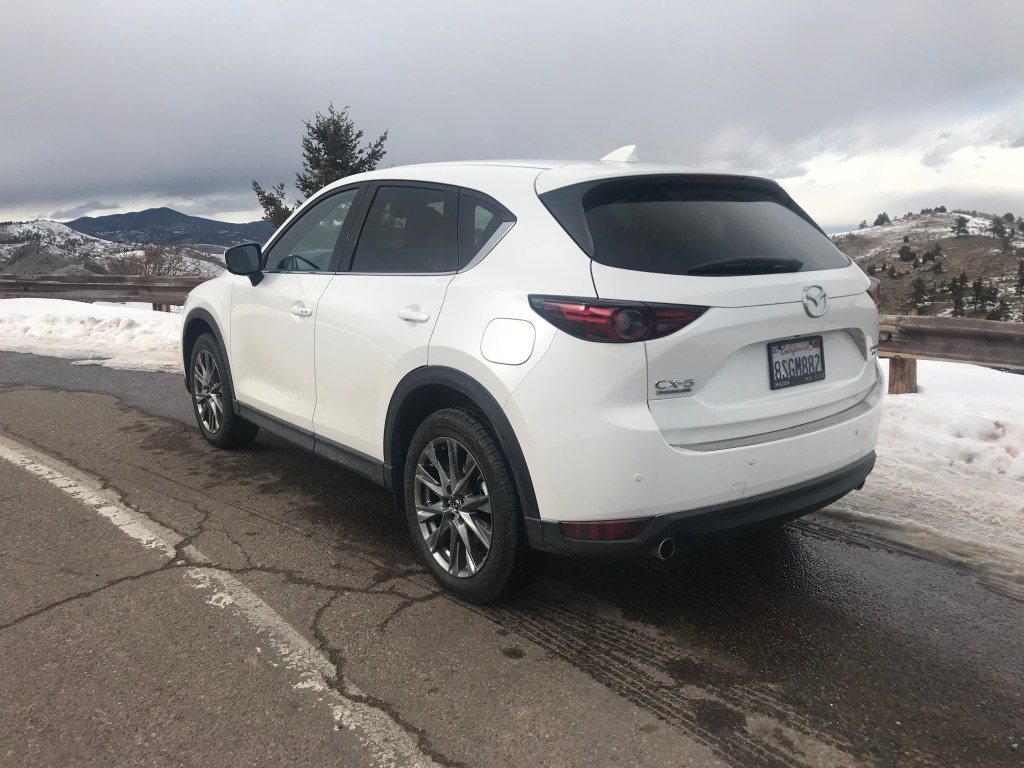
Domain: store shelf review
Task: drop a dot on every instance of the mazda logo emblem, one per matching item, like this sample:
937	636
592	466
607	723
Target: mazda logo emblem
815	301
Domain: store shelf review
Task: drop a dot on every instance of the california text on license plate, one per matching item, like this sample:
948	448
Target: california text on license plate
798	361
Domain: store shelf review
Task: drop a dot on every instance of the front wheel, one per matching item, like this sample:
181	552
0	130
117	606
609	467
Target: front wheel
212	401
462	507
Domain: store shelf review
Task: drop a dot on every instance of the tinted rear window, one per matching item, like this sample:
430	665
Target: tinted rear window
672	226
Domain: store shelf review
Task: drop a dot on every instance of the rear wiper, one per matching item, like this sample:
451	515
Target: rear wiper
756	266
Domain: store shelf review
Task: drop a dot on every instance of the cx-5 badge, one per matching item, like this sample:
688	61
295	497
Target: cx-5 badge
674	386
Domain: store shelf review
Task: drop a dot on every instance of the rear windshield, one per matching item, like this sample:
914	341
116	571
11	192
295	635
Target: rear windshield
678	227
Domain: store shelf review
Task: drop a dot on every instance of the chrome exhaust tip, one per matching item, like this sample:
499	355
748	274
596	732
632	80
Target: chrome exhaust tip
664	550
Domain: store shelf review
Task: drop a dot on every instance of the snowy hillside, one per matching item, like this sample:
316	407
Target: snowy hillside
865	245
47	247
925	267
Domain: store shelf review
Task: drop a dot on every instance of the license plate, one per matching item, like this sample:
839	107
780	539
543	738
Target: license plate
799	361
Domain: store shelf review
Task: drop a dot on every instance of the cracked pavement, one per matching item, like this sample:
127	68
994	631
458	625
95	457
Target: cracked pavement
805	647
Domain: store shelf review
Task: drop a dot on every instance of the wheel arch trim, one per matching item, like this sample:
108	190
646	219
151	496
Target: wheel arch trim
481	399
206	317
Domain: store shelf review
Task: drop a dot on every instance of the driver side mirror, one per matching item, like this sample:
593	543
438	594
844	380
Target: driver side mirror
245	260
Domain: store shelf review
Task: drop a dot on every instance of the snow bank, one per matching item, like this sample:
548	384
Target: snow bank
950	472
92	334
949	478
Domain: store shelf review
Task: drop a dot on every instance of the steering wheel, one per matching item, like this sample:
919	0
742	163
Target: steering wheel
297	259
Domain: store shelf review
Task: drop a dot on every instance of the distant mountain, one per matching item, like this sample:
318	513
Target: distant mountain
165	225
31	248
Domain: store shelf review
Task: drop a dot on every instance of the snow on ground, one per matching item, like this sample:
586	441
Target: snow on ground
950	473
92	334
949	478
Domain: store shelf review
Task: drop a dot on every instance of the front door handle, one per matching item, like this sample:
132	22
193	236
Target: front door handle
413	314
302	311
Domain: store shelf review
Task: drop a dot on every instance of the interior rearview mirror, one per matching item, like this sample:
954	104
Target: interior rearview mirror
245	260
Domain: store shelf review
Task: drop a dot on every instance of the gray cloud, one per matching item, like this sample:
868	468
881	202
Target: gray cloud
194	99
82	210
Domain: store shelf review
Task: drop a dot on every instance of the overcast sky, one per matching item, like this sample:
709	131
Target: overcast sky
855	107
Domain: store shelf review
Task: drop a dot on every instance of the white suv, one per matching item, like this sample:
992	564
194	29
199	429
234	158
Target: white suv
585	358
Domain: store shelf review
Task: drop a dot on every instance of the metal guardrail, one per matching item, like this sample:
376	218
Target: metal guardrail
903	338
162	290
953	339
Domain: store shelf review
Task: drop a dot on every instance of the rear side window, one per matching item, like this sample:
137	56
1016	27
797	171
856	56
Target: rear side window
677	227
479	221
408	230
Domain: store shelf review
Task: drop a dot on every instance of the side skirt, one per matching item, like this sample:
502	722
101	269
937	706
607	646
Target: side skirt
354	461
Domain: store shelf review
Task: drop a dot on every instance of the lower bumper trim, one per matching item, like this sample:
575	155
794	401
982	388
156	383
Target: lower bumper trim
774	506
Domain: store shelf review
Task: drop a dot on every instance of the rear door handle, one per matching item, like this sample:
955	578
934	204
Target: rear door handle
413	314
302	311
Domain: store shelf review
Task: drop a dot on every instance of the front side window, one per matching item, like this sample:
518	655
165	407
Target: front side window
407	231
311	241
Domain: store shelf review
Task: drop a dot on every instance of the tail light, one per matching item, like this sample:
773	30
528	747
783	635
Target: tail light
875	291
613	321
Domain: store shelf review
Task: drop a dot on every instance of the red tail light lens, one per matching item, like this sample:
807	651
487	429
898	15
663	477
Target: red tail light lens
875	291
605	530
613	321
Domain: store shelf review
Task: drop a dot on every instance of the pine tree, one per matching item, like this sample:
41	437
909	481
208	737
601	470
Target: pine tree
882	218
997	228
1020	277
918	294
330	151
959	226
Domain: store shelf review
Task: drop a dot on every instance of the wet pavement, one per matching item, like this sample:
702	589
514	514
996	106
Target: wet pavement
811	645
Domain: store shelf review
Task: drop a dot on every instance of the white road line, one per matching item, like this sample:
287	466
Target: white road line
387	742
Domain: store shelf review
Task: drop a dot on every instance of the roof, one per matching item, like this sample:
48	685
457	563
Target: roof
545	175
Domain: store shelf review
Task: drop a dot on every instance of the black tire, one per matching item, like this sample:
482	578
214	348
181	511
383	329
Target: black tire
507	562
221	426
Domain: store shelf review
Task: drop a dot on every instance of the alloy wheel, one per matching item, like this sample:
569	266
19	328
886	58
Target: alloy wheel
207	392
453	508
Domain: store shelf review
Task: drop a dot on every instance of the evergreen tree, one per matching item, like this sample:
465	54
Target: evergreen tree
906	253
1001	311
275	209
959	226
330	151
918	295
1020	277
997	228
882	218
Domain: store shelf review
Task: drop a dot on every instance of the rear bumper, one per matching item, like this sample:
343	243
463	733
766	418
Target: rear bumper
775	506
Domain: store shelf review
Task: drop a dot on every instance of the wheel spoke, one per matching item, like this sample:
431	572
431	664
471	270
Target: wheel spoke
466	546
428	512
453	549
442	475
474	503
478	527
435	538
425	479
467	472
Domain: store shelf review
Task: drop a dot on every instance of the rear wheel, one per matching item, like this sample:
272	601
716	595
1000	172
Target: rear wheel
462	507
212	400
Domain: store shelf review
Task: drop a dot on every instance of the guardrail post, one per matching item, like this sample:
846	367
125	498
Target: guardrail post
902	376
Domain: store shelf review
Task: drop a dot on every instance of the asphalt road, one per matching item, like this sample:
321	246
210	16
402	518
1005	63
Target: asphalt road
264	607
